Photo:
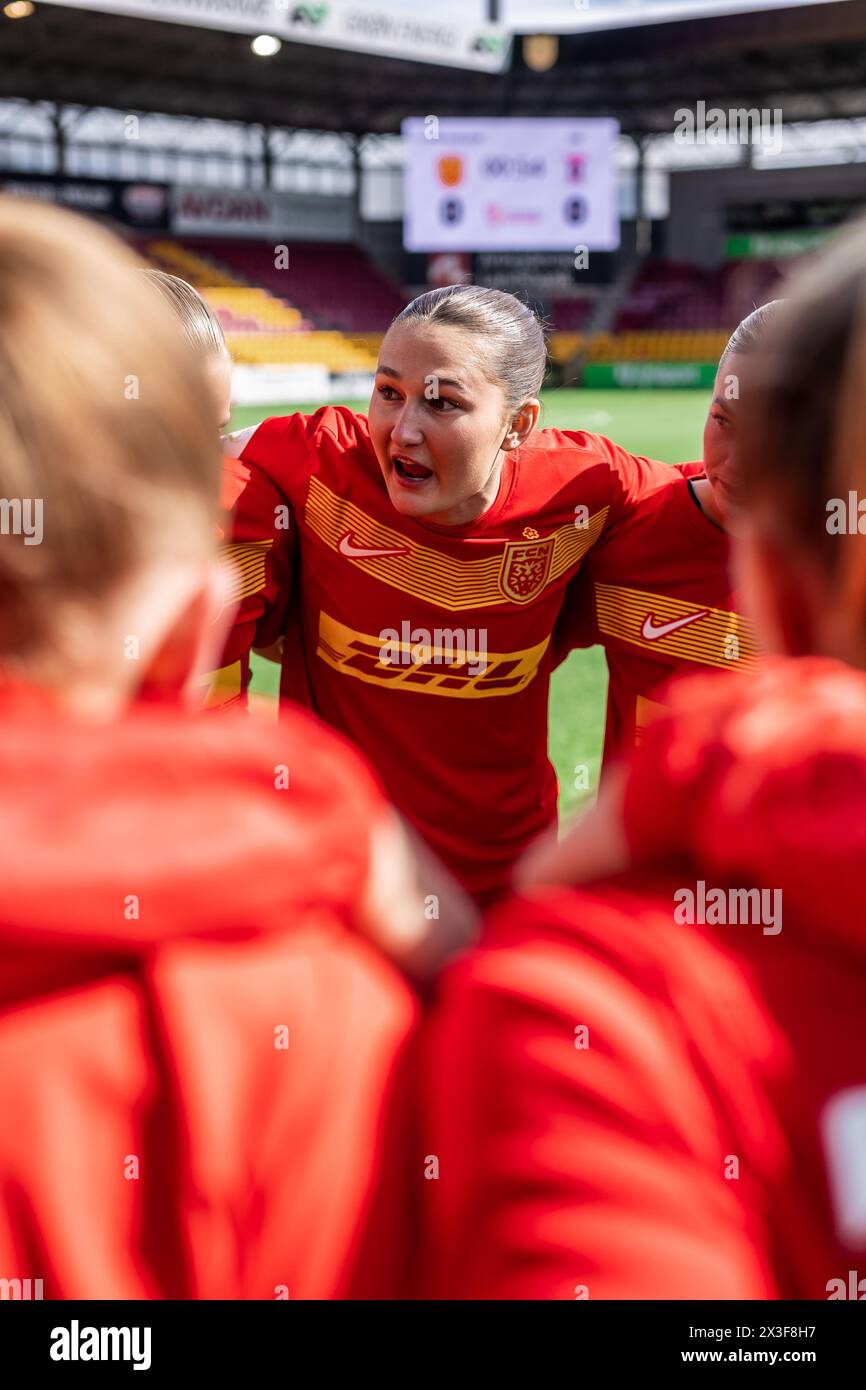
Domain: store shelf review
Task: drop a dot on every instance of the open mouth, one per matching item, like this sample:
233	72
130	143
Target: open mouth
410	471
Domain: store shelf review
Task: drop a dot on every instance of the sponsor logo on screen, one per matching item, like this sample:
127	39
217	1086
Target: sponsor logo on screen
516	167
498	216
309	14
450	170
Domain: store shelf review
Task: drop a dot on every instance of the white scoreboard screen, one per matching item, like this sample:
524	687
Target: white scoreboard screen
492	184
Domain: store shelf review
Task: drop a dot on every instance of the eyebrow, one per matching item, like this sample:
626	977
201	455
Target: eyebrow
723	405
443	380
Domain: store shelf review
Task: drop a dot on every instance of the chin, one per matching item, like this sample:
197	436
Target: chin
411	506
410	503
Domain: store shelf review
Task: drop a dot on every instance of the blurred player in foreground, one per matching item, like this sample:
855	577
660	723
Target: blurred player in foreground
436	538
199	1020
655	1086
657	591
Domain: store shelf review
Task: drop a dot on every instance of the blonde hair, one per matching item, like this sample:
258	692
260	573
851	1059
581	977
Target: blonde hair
747	337
105	423
200	324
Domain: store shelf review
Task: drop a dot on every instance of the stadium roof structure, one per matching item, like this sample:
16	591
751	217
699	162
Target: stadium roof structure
809	62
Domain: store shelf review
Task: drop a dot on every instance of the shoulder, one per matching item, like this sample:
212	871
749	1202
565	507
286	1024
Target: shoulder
579	453
568	448
748	772
335	425
656	512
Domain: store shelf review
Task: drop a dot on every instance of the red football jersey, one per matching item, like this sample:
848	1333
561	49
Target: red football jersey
200	1045
624	1105
429	645
656	593
258	579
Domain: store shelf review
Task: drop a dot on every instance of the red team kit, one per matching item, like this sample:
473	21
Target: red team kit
457	739
491	1102
155	1017
317	986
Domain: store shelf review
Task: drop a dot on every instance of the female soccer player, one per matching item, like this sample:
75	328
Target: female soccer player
657	593
436	541
186	905
654	1088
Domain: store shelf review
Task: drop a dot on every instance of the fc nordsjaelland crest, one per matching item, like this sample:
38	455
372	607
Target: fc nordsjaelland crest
525	567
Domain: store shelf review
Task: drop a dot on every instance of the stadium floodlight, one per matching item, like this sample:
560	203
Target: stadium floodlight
265	45
19	9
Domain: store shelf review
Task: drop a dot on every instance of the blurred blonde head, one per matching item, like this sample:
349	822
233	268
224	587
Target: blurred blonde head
107	438
203	331
200	324
803	455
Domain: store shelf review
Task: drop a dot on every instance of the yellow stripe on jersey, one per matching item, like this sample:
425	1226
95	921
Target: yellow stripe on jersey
223	687
428	670
713	637
245	564
644	712
509	576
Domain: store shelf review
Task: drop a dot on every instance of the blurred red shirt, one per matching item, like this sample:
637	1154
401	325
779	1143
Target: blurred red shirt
622	1105
201	1051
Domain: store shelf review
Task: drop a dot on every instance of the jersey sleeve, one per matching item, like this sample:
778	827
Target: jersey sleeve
632	480
577	625
262	468
691	470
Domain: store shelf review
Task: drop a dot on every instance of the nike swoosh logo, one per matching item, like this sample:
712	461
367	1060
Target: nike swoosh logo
651	633
361	552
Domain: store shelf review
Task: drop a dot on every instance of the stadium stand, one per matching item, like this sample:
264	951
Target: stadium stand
673	312
668	295
571	315
260	325
341	304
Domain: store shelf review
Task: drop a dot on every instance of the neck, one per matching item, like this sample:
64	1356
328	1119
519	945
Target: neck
707	502
471	508
77	696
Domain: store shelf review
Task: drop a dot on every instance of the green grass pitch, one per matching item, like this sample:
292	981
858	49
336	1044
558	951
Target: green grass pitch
663	424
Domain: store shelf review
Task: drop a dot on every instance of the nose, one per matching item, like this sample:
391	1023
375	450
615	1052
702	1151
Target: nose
406	430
